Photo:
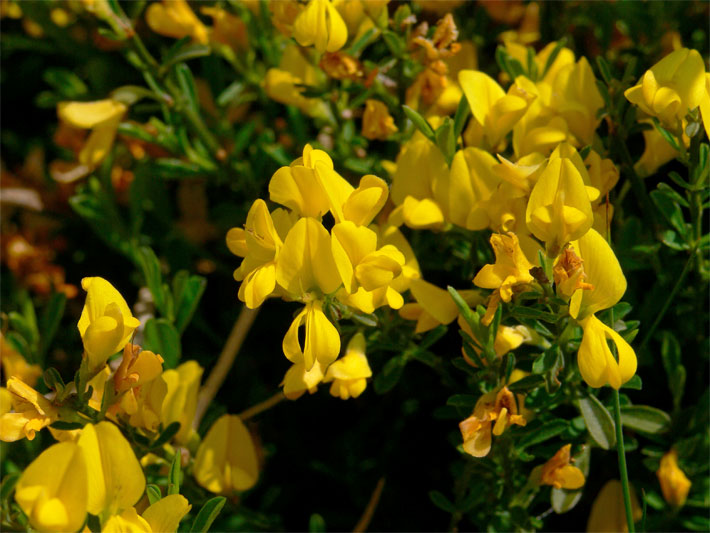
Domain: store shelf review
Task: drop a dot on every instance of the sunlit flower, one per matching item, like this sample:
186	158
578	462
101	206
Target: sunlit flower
53	490
180	404
106	323
321	341
30	412
116	479
671	87
320	25
608	513
349	374
226	459
298	380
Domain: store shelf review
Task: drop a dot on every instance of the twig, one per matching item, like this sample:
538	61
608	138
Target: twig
262	406
224	363
366	517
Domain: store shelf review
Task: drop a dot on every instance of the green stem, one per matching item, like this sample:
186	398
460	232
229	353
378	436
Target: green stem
622	463
668	301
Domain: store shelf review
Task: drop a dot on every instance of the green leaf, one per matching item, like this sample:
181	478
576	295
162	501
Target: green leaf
645	419
174	475
667	135
390	374
394	42
130	94
53	380
527	384
670	210
535	314
188	292
168	168
185	54
441	501
150	266
446	140
553	55
362	42
599	421
187	86
604	69
66	426
316	524
153	492
462	113
564	500
167	434
209	512
633	384
420	123
465	401
162	338
8	485
542	433
672	362
65	82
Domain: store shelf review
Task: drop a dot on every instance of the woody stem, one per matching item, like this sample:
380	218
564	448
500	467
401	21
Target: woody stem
261	406
622	462
224	362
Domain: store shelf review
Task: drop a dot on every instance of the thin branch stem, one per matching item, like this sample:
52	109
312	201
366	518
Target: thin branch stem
224	363
369	511
622	463
262	406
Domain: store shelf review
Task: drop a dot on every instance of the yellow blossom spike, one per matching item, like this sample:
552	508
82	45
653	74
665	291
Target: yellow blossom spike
597	363
180	404
175	18
116	479
559	473
298	380
349	374
321	25
322	340
674	483
52	491
106	323
226	459
603	272
608	512
672	87
559	210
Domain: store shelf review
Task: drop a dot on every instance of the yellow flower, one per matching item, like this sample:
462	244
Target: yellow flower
559	473
462	191
298	380
603	174
284	84
349	374
434	306
31	412
183	386
597	363
377	123
510	270
103	118
321	340
672	87
174	18
495	111
228	30
320	25
358	260
705	105
226	459
137	368
559	210
657	152
5	401
53	489
116	480
608	513
493	414
283	14
508	338
577	99
161	517
259	243
674	483
306	261
106	323
14	365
